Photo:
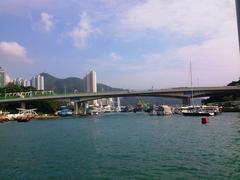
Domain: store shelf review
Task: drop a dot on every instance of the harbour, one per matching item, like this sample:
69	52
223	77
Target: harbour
126	145
25	115
120	90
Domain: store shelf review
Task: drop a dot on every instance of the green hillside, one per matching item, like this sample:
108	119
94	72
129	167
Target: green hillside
70	84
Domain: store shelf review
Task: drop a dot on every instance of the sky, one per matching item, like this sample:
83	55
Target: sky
137	44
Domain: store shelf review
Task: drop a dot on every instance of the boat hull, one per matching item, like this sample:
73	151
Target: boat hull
23	119
197	114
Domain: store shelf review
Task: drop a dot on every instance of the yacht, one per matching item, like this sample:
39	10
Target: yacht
201	111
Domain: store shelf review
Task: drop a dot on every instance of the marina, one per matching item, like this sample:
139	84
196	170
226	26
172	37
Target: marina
25	115
102	90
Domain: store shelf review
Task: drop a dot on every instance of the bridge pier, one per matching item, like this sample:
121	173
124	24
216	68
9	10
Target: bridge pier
77	106
186	101
80	108
84	108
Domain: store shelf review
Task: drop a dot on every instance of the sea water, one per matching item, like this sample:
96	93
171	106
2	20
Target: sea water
122	146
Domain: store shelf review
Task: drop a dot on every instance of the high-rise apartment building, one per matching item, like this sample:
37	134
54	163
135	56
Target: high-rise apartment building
2	77
21	82
90	85
38	82
90	82
42	83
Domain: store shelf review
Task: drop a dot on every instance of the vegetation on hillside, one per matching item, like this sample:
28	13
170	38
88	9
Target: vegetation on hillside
12	88
71	84
42	106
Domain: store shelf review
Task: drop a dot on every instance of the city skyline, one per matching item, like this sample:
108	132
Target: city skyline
135	45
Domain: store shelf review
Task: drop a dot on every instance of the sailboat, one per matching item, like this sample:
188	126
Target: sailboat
196	110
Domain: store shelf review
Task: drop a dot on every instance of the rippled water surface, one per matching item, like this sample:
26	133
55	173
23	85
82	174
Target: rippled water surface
122	146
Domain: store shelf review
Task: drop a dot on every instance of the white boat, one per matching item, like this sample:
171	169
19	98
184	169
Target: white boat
198	113
24	115
164	110
198	110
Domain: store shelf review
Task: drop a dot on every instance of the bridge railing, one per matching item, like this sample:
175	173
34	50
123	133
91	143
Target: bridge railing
25	94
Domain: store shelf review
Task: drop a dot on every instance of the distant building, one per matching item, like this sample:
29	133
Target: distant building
107	101
90	85
38	82
2	77
42	82
22	82
90	82
26	83
117	104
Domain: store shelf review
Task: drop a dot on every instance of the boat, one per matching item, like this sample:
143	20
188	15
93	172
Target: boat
198	110
198	113
24	115
64	111
23	118
93	110
160	110
164	110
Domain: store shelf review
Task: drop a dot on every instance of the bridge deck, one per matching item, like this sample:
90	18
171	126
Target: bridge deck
173	92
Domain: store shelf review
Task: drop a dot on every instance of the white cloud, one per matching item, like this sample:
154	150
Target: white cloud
82	32
47	21
185	17
114	56
208	29
215	62
13	51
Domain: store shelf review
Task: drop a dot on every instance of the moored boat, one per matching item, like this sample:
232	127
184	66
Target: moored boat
199	110
23	118
24	115
64	111
198	113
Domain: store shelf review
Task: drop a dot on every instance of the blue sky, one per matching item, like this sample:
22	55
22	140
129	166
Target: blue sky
136	44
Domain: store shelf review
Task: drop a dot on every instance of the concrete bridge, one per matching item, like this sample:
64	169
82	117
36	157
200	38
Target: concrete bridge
184	93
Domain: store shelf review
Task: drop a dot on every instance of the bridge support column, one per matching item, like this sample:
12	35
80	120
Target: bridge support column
77	108
23	105
84	108
80	108
186	101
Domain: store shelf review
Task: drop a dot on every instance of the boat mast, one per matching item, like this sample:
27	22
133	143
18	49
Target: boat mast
192	102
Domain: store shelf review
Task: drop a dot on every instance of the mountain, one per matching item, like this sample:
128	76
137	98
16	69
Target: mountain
70	84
